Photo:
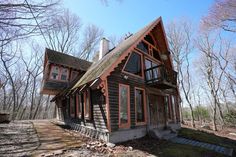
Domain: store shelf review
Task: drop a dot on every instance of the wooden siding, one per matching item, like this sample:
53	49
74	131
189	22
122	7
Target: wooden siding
98	120
114	79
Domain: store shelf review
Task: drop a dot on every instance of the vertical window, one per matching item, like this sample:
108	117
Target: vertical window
168	107
124	107
152	73
173	106
55	72
72	106
134	65
78	110
156	55
140	105
87	109
64	74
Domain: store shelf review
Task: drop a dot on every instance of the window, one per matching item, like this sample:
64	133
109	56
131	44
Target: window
149	39
168	107
78	109
140	105
72	106
87	109
55	73
124	107
143	47
134	65
155	54
173	106
151	74
64	74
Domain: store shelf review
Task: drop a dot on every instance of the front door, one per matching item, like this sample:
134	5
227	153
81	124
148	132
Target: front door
157	111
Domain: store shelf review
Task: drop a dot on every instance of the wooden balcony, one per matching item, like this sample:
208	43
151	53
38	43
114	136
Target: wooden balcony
161	77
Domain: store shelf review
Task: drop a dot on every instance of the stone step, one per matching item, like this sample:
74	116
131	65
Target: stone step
169	136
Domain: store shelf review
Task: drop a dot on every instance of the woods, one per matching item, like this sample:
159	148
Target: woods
203	55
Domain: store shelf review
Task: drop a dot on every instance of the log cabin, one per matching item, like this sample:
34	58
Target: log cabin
129	92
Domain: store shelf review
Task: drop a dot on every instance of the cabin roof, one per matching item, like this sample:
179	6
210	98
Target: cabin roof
67	60
98	68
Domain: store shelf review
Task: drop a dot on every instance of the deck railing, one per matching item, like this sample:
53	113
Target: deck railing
160	74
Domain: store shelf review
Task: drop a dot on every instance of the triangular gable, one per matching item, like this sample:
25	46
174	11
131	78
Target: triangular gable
103	68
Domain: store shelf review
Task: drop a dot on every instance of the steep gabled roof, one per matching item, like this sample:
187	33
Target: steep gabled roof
102	66
67	60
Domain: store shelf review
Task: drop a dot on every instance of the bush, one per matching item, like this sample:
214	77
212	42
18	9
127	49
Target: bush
230	118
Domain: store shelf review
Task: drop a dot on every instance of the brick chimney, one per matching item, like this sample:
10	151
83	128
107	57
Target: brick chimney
104	47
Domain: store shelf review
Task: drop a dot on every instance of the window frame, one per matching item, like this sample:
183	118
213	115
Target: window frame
71	106
126	125
67	74
78	111
51	71
87	112
144	105
142	68
59	73
74	71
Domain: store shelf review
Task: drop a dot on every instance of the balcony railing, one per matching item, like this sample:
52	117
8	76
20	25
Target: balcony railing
161	76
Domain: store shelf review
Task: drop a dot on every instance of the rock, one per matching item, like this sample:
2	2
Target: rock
206	127
111	145
232	133
130	148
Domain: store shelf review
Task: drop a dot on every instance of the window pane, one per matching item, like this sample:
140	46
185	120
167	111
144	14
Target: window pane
139	105
148	65
64	74
55	72
143	47
156	54
134	64
87	104
72	105
123	104
148	38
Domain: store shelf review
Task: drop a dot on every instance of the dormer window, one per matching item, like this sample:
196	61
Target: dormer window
64	74
55	73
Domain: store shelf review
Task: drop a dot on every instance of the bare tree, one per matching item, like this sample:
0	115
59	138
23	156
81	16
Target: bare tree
222	15
91	37
214	67
180	39
63	32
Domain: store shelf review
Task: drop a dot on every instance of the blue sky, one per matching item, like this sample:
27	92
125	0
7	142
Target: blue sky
118	18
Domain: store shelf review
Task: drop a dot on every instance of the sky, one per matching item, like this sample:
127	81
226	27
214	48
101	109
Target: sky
122	16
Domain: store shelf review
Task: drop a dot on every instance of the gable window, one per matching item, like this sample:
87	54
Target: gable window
64	74
87	105
55	73
134	65
124	106
149	39
156	55
140	106
143	47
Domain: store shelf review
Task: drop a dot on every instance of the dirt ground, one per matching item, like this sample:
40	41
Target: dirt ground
47	138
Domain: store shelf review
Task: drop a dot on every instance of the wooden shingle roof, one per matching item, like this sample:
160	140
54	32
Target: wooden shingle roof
100	67
67	60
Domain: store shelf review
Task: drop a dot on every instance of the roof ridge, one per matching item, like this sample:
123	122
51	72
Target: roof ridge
69	55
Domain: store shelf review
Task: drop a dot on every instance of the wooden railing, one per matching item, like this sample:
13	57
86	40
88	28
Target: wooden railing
160	74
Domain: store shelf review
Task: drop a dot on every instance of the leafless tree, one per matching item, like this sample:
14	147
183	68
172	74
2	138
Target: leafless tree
180	39
91	37
63	32
213	69
222	15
